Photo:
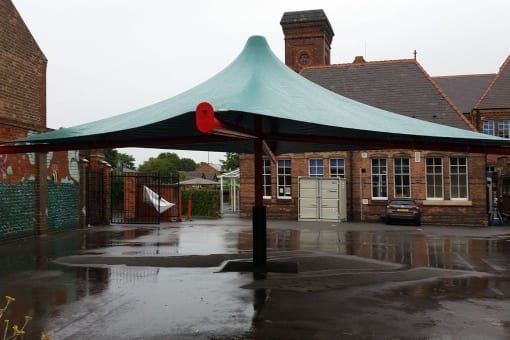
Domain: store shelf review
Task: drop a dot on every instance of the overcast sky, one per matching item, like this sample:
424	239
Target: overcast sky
107	57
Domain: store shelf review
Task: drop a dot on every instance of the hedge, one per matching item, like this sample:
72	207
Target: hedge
204	202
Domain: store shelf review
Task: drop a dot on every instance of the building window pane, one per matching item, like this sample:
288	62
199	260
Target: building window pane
459	178
266	175
434	178
337	167
316	167
402	177
379	180
284	178
488	127
504	128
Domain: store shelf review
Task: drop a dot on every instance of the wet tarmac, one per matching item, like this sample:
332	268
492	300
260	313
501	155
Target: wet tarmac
355	281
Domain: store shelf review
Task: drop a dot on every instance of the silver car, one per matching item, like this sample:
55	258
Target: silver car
402	209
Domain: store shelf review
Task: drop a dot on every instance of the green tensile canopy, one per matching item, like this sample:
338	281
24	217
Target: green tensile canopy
259	96
297	115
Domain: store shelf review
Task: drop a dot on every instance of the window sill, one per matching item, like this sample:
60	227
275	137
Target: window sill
459	203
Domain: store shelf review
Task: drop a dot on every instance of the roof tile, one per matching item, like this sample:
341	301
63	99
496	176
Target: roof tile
497	95
400	86
465	90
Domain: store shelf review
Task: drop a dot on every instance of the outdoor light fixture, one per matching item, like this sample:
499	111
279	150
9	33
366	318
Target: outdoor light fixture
206	122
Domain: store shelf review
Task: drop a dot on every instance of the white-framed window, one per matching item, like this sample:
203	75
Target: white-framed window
266	175
284	178
434	178
337	167
402	177
316	167
488	127
379	179
504	128
458	178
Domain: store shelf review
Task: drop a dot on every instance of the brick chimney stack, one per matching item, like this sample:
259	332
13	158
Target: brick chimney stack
308	37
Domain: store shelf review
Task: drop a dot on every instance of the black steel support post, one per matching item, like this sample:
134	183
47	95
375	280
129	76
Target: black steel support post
259	212
259	239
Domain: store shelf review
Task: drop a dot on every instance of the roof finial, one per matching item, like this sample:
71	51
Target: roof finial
415	53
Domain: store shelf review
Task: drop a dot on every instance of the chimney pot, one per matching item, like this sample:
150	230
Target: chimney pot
359	59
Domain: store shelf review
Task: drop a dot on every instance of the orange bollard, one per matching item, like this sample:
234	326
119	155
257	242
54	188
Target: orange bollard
189	210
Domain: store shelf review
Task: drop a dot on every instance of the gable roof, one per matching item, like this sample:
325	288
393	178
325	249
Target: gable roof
261	97
465	90
400	86
199	174
199	181
209	167
15	37
497	95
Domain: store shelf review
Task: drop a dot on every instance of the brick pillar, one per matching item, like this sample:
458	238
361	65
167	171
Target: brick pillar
83	165
40	226
95	190
99	193
129	197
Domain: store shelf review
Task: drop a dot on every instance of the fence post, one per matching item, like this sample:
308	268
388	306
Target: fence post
40	226
189	210
179	211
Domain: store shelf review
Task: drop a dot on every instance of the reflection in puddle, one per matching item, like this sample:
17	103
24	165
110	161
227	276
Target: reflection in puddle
51	293
412	250
461	288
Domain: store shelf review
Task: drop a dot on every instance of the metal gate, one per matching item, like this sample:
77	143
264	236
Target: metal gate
142	198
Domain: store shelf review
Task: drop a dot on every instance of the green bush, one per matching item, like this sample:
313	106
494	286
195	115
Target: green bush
204	202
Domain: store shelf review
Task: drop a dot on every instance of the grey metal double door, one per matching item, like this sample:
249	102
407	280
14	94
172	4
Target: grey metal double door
322	199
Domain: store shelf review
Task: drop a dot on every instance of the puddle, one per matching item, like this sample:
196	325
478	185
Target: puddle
131	302
461	288
198	301
410	249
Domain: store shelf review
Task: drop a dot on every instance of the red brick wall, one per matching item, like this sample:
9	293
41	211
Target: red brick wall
312	39
206	168
445	212
22	74
27	205
480	115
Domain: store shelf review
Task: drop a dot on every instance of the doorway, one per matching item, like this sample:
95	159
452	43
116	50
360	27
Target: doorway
322	199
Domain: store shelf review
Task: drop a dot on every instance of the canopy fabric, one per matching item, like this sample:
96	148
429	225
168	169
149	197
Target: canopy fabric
158	202
297	115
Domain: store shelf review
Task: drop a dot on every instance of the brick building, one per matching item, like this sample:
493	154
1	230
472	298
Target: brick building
38	192
205	171
491	115
23	72
450	187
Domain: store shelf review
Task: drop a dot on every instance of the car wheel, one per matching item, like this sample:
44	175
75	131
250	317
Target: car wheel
387	221
418	222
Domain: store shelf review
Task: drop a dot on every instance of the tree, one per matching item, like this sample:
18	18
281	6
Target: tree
167	164
231	162
124	160
187	164
114	158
